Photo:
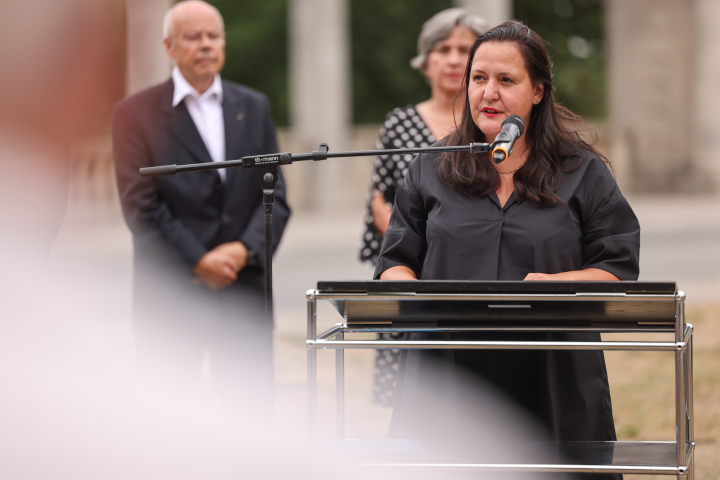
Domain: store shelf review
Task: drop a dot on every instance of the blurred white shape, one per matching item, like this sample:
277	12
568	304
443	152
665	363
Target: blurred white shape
579	47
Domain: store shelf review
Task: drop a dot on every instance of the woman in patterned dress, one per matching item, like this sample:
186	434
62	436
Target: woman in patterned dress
443	48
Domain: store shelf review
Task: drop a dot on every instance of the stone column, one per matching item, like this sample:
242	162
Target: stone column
704	74
494	12
320	98
147	63
650	93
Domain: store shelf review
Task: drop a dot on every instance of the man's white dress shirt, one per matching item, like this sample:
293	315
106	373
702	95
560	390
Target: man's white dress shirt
206	112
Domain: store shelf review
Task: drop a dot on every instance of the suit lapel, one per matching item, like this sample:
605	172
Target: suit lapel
182	128
234	116
234	122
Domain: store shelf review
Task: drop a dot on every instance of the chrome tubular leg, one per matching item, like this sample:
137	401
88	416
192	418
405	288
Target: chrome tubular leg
680	405
691	467
689	376
679	316
680	392
311	363
340	384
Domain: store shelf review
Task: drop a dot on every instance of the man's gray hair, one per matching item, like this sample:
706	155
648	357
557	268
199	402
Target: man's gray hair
169	25
439	27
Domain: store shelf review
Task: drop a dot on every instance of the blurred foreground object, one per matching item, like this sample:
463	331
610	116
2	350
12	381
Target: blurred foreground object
62	81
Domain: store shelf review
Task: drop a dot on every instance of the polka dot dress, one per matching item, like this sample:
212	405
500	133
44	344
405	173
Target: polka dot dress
403	128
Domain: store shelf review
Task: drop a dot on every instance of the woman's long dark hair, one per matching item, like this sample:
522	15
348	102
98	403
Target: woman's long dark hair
554	143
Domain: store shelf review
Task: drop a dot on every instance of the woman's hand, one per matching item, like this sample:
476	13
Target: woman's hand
398	273
381	211
539	277
587	275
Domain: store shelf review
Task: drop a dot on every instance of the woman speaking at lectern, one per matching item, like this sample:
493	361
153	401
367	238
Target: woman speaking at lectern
550	211
442	47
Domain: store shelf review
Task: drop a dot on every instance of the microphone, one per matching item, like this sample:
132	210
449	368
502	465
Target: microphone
510	130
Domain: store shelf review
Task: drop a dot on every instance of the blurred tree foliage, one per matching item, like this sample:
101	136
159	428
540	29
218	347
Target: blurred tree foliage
383	36
257	48
574	30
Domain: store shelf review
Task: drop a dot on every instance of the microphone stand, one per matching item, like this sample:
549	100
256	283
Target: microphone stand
268	168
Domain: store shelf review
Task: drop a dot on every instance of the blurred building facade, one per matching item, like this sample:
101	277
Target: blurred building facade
662	102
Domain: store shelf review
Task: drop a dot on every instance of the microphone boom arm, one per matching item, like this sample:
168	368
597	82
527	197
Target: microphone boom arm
258	161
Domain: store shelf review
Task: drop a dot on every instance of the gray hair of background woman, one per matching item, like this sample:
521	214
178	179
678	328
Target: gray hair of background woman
439	27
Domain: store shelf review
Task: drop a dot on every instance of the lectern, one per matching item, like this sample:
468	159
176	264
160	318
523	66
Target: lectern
626	308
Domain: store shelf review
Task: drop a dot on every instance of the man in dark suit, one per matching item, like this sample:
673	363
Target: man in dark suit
198	237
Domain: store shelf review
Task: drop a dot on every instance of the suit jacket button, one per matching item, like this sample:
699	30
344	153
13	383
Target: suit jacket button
225	218
218	186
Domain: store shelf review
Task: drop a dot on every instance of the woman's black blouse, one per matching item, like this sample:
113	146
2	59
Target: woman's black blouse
442	235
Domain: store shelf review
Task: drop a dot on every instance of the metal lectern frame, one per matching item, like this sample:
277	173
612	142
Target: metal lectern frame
617	307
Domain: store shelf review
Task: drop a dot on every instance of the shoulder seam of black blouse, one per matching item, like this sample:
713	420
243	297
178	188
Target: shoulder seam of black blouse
615	195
